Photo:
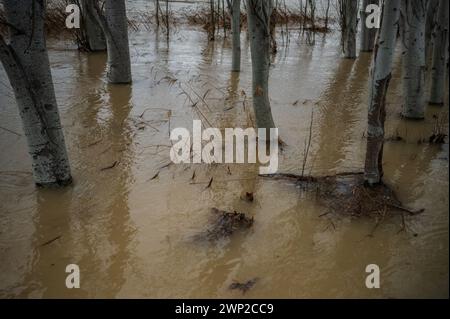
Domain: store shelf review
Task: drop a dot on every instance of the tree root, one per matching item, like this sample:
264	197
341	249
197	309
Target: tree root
345	193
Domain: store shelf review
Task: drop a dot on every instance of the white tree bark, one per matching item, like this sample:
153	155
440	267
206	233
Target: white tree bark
234	7
350	27
440	50
380	77
115	28
92	30
414	65
26	62
367	35
258	13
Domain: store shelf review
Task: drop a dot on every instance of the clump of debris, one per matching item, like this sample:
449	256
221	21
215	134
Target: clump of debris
347	195
224	224
244	286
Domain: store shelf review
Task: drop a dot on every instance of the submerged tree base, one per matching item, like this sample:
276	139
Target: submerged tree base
56	184
347	194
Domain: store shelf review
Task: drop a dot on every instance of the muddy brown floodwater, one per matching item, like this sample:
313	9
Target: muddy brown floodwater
130	227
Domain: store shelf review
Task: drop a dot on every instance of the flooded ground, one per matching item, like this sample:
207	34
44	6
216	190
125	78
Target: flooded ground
130	218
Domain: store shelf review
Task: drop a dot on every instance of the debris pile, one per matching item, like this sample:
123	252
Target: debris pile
225	224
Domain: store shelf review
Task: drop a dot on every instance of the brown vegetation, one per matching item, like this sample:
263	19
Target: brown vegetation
56	17
224	224
346	194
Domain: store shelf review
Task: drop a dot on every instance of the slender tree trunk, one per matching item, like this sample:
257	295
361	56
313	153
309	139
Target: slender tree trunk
402	23
327	14
414	58
235	13
432	8
440	50
350	27
167	21
218	14
224	20
367	35
26	63
305	15
379	83
157	12
212	22
115	27
93	32
258	13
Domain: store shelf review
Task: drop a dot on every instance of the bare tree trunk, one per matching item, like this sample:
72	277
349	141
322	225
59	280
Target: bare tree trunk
234	7
414	58
432	8
438	70
327	15
167	22
115	27
26	63
349	26
367	35
379	83
258	13
224	20
212	22
93	32
157	12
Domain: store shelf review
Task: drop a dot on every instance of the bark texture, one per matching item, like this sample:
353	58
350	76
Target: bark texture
440	50
26	63
259	12
414	67
432	8
93	33
349	26
379	83
367	35
115	28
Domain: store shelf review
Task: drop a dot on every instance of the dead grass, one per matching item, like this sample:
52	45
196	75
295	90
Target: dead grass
56	17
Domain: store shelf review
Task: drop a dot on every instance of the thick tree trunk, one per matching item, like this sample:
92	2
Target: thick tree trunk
379	83
93	32
350	27
235	12
26	62
258	12
438	70
367	35
115	27
414	58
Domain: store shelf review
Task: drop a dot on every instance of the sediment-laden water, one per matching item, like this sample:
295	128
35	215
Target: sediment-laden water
130	217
